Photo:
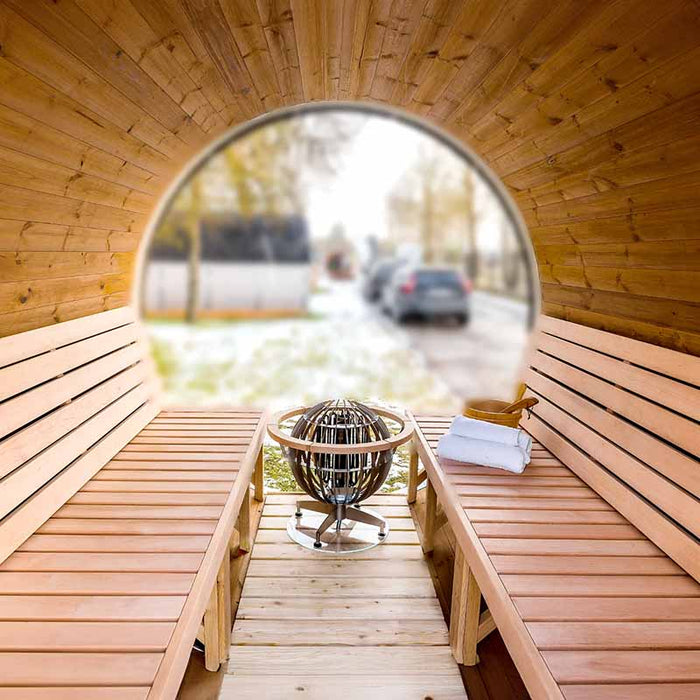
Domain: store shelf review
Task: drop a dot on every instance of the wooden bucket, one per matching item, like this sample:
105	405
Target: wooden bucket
491	410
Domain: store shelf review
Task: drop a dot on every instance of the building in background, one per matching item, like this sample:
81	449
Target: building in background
257	266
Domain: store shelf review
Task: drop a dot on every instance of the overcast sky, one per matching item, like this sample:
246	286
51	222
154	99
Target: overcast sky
382	151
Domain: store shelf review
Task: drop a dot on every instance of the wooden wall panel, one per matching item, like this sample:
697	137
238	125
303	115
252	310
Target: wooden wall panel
589	112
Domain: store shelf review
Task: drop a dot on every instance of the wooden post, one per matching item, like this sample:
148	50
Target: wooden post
223	601
464	614
413	473
211	632
243	523
430	518
258	476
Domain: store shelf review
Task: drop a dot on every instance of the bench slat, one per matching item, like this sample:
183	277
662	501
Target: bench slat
75	693
615	635
657	358
37	370
639	666
31	440
656	525
32	475
15	348
122	523
85	636
666	495
32	404
62	668
25	520
661	456
101	561
655	387
670	426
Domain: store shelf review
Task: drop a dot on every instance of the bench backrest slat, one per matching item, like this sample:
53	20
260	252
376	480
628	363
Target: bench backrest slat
623	415
71	396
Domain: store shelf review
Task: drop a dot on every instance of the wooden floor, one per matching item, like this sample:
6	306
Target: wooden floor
368	623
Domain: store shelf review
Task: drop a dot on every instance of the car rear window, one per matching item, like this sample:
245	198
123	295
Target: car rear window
438	278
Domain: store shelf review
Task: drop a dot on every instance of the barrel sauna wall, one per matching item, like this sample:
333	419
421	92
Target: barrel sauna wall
588	111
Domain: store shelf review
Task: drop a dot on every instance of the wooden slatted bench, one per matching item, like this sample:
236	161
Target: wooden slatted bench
116	517
589	561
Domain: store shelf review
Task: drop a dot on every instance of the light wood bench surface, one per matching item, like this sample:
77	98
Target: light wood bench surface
589	560
116	517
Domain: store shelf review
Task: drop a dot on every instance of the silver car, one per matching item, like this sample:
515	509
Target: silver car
428	292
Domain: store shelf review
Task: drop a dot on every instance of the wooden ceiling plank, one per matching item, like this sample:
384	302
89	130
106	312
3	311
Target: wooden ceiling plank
30	172
680	191
20	321
23	204
247	32
73	30
22	133
556	27
586	47
16	235
435	24
485	36
637	167
30	48
669	284
32	97
278	27
206	18
377	23
664	225
309	28
27	266
667	313
26	295
169	21
673	81
156	56
403	21
333	20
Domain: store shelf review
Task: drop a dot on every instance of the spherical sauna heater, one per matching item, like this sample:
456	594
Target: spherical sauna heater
340	452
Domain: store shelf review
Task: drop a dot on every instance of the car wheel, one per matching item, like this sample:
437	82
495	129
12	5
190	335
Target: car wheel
462	319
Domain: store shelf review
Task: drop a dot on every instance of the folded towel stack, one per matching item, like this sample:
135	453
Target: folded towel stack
486	444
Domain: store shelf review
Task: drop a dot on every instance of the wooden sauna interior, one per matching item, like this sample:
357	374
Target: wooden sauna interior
588	112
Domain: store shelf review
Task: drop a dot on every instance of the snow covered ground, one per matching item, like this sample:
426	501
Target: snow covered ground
344	348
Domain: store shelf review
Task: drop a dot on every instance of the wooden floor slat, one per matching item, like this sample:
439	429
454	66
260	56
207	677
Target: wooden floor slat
436	686
371	616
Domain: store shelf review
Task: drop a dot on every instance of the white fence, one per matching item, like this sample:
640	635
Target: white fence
228	286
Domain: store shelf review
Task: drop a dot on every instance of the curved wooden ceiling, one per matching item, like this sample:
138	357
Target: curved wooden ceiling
588	111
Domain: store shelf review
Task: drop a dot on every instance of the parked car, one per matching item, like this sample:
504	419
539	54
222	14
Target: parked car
428	292
378	276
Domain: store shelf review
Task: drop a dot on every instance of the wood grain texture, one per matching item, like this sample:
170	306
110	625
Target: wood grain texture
579	599
589	112
317	617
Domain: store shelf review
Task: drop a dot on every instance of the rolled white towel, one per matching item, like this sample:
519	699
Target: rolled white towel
482	430
488	454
